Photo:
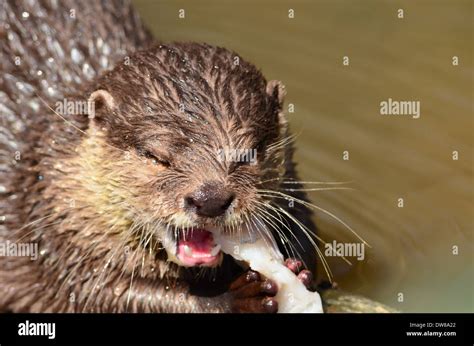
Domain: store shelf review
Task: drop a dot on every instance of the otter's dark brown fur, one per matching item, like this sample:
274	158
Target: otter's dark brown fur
102	193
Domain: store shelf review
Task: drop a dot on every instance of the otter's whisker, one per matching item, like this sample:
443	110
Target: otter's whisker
317	182
37	229
260	232
282	142
289	247
284	239
308	234
320	189
15	232
318	238
276	194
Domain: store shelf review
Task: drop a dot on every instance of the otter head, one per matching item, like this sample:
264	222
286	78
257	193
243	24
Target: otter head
192	136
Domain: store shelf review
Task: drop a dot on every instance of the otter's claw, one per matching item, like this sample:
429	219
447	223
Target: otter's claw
296	266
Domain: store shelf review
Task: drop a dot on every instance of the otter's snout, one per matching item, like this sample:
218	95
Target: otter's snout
210	200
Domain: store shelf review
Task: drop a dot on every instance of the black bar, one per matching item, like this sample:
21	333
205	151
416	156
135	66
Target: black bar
220	329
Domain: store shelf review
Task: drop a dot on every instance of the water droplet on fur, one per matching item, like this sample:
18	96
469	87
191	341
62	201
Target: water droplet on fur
3	189
3	218
76	56
25	14
20	86
40	177
104	62
106	49
167	288
34	105
39	73
88	71
43	252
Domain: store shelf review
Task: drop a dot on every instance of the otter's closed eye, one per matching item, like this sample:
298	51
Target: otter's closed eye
155	159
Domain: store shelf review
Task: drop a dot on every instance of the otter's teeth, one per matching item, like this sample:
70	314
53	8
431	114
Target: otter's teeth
188	251
215	250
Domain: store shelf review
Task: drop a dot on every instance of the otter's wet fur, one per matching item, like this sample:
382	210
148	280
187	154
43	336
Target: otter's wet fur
83	187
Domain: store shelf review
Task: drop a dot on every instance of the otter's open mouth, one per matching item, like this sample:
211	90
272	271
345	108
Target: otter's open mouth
196	247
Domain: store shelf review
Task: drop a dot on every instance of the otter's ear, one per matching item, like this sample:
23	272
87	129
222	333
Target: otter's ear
277	90
100	101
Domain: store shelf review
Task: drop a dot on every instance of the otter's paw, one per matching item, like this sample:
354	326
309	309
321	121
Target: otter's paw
251	293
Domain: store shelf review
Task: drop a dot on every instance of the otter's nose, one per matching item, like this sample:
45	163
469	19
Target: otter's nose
210	200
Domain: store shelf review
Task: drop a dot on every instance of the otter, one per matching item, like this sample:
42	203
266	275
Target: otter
120	198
